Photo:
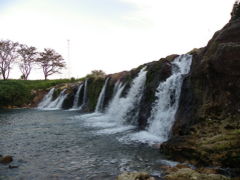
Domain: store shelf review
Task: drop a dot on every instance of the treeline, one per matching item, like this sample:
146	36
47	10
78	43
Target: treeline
27	58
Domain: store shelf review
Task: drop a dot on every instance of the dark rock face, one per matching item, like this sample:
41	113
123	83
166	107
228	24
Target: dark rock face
210	103
211	88
94	87
68	102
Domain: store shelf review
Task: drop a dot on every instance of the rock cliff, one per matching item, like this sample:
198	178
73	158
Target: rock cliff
207	127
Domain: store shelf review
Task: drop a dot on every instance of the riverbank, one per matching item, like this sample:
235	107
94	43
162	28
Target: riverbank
21	93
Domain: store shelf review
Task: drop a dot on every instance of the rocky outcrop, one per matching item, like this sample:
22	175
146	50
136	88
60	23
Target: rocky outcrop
207	127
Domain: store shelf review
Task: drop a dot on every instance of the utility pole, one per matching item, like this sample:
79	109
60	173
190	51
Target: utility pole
69	60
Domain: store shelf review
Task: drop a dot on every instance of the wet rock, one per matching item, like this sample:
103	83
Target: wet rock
207	170
12	167
189	174
6	159
135	176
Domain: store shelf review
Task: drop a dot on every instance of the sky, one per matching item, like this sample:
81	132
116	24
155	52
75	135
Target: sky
111	35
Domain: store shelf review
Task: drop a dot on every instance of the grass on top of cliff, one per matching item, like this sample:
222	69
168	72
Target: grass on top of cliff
18	92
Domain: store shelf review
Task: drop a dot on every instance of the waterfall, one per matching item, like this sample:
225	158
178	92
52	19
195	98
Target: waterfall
126	105
116	87
119	115
100	102
57	103
47	102
76	97
85	93
47	99
164	108
114	103
120	108
168	93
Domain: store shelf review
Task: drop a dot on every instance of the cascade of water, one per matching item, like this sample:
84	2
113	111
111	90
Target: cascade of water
116	87
121	111
57	103
76	97
85	93
113	105
47	99
168	93
100	102
120	108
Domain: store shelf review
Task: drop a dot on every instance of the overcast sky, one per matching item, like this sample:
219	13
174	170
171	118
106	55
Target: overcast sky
112	35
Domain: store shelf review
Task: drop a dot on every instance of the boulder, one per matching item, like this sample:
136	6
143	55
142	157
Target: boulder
135	176
6	159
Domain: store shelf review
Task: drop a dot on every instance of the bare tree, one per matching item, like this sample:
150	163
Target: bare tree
8	54
51	62
27	59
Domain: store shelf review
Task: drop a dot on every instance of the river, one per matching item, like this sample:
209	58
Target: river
57	145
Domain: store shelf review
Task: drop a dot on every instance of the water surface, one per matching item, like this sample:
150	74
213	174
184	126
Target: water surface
56	145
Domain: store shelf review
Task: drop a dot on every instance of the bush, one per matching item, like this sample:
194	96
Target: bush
97	74
18	92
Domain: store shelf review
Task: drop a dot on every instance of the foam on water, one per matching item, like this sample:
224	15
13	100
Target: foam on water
142	137
114	130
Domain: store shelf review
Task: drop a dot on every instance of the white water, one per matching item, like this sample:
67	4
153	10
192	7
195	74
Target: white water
168	94
116	87
57	103
76	97
121	107
114	120
114	104
47	99
84	93
100	102
165	107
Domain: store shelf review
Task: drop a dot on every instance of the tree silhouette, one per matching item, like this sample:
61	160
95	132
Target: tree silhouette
8	54
27	60
51	62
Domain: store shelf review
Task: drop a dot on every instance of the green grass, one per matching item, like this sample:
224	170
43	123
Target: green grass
18	92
